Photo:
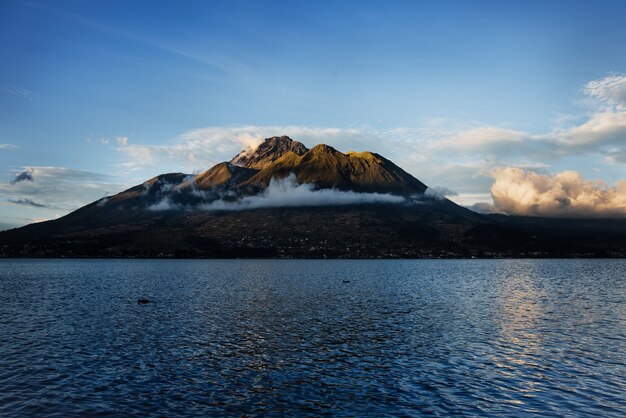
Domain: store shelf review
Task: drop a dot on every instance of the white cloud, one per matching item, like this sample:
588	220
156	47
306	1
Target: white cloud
122	141
199	149
163	205
288	193
484	138
13	90
439	192
8	146
611	90
485	207
105	141
604	128
521	192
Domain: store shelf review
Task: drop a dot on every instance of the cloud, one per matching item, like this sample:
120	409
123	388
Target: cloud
164	204
105	141
484	138
288	193
485	207
249	141
8	146
521	192
611	90
604	128
200	149
616	157
13	90
27	202
122	141
26	175
57	188
440	192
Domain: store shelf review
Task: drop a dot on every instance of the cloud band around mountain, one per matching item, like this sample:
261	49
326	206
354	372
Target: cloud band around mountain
286	192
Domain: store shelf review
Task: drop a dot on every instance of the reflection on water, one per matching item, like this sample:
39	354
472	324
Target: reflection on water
521	300
498	337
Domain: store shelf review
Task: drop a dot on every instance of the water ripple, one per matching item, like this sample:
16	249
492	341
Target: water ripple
494	337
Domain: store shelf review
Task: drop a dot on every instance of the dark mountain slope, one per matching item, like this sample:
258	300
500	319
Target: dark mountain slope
372	231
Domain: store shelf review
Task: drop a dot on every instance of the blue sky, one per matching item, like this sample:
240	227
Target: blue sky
98	96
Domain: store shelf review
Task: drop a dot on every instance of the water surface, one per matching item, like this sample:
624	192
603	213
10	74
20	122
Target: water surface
440	337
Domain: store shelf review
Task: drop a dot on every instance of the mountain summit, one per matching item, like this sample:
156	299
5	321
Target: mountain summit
267	152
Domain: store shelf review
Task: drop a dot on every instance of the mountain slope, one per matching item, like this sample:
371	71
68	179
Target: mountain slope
222	174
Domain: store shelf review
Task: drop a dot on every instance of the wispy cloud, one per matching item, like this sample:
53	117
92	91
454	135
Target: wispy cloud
611	90
13	90
603	131
201	148
27	202
8	146
57	188
204	51
121	141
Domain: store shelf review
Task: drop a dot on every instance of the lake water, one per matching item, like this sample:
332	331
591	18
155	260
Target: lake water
286	337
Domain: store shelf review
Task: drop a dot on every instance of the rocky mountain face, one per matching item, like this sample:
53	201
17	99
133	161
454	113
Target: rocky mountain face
329	204
267	152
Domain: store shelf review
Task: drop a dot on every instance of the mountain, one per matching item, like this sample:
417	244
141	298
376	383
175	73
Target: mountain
285	200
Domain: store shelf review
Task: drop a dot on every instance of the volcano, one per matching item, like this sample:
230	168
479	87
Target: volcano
283	199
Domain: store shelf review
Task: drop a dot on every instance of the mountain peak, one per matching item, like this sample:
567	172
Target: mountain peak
323	149
267	152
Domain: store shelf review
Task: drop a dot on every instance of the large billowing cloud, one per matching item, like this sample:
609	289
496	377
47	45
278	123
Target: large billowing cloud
521	192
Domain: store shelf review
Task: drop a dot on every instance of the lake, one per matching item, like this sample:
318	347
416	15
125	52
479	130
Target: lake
298	337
